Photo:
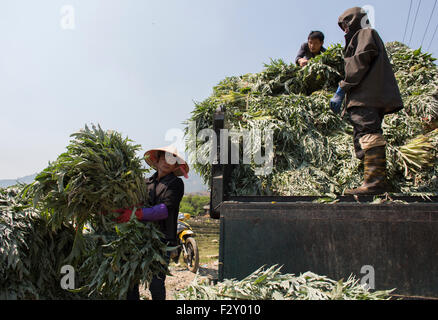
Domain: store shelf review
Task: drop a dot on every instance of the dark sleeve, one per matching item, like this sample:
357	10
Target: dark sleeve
357	66
174	195
301	53
172	199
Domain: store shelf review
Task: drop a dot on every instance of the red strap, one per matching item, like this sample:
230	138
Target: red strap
184	171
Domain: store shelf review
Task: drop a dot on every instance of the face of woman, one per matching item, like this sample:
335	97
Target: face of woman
166	164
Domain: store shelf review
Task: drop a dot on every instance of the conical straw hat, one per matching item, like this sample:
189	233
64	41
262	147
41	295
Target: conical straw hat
151	158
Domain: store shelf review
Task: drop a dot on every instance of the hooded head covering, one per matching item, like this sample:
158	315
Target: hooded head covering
369	78
356	19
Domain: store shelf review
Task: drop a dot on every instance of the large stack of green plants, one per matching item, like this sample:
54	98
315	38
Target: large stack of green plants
31	254
313	149
271	284
67	217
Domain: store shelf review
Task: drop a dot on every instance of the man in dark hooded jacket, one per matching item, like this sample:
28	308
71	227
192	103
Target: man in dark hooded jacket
371	92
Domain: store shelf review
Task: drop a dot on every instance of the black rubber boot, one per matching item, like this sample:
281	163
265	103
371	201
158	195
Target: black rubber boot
374	174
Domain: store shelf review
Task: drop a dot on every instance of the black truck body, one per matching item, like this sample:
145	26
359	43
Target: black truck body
393	244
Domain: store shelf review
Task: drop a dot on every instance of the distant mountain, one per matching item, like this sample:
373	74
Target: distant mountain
192	185
10	182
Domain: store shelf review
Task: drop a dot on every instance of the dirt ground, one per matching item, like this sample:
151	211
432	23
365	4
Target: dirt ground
207	236
181	278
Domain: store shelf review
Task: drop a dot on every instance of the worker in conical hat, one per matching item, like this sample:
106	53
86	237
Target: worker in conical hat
165	192
172	157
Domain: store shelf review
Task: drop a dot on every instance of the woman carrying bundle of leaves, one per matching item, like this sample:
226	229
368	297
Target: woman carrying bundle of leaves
371	92
82	191
165	192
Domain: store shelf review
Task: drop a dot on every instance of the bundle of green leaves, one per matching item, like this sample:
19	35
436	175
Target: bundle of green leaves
271	284
98	173
114	261
313	149
66	217
31	254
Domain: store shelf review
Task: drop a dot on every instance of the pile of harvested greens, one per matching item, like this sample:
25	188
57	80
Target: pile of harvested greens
66	217
31	254
98	173
313	149
271	284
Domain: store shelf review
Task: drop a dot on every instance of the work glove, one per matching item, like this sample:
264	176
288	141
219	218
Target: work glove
337	100
156	213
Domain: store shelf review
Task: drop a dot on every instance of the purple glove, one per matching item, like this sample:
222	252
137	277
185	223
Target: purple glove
157	213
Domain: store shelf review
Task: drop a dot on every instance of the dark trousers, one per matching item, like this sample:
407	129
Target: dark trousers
365	120
156	287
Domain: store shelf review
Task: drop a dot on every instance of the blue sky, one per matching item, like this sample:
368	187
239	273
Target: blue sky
137	66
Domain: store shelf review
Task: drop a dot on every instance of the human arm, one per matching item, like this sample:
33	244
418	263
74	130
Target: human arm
337	100
303	62
172	199
173	196
301	59
357	66
156	213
